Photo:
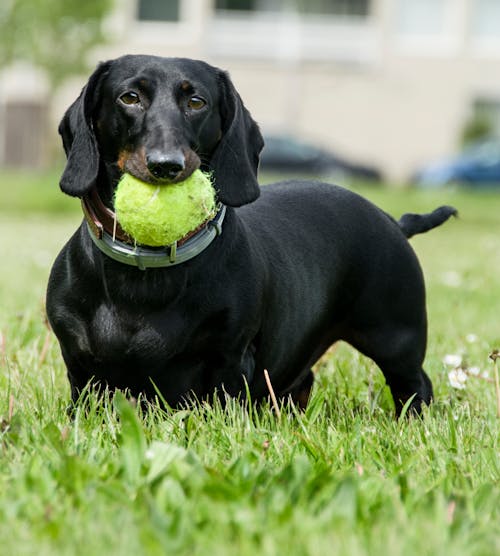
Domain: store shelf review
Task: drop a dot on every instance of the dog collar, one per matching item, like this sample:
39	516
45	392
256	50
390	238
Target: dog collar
116	244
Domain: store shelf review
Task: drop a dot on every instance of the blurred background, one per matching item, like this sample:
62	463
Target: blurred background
400	91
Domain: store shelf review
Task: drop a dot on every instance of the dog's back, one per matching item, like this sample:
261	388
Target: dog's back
342	269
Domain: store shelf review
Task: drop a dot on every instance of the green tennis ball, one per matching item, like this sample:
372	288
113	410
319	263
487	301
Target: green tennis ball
158	215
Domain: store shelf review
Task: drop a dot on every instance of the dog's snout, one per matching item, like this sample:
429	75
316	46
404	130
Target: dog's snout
164	166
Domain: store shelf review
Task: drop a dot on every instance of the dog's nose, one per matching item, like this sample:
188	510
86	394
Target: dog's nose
164	166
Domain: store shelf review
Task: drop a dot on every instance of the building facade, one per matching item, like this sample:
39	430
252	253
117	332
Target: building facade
390	82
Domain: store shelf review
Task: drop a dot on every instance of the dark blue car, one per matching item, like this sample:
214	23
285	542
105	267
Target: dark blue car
289	155
478	165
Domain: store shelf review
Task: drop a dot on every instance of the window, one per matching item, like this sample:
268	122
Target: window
335	7
237	5
421	18
292	30
428	27
158	10
317	7
486	19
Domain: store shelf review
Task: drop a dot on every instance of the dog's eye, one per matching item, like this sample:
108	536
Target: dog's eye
130	98
196	103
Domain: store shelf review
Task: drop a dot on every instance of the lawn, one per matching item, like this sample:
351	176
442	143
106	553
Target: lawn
343	478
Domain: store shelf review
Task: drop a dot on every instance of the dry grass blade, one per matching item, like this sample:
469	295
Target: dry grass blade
11	407
45	348
272	394
495	356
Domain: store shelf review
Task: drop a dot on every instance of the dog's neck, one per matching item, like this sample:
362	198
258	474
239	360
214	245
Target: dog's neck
114	242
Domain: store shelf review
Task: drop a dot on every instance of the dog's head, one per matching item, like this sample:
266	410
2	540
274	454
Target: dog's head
160	119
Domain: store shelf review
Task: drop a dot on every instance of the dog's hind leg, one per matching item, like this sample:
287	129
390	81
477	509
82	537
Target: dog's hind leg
399	353
406	381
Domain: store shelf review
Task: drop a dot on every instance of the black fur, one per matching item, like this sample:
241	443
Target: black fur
295	270
413	224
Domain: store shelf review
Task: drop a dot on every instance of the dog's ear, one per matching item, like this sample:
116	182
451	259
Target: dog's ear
79	141
236	159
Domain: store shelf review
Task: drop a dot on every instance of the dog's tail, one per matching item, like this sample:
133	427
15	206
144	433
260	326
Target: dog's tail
412	224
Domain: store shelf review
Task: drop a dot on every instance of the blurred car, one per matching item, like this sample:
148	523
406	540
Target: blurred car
477	165
287	155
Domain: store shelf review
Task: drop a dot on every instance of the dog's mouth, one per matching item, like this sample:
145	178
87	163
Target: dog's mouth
157	173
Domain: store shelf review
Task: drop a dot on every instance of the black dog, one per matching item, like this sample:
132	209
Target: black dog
269	285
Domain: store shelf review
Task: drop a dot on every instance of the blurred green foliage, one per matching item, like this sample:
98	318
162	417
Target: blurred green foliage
476	128
55	35
26	192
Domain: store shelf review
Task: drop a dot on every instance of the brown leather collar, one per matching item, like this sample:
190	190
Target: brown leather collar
100	218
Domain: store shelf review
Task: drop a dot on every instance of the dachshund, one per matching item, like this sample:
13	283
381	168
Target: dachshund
280	274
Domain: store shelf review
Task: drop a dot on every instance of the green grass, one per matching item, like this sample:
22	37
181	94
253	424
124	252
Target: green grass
343	478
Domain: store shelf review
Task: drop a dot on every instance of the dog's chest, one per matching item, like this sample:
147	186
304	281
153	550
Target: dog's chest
119	334
143	352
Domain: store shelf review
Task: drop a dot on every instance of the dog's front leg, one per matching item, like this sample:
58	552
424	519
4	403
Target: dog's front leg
233	373
78	377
